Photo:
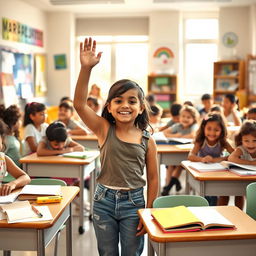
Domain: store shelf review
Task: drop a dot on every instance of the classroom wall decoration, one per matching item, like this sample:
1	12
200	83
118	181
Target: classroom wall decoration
40	75
60	61
163	60
13	30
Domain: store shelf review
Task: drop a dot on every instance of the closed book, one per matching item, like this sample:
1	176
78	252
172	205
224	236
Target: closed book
204	167
80	155
188	219
31	192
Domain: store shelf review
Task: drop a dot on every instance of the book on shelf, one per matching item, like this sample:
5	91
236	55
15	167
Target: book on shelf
80	155
21	211
187	219
240	169
160	138
204	167
31	192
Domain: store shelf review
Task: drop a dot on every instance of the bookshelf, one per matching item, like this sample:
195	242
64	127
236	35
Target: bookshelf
164	87
229	77
251	79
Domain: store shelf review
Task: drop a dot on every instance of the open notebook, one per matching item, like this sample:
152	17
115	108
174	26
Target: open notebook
186	219
160	138
204	167
240	169
80	155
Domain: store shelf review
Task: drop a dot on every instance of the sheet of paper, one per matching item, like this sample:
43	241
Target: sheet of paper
9	198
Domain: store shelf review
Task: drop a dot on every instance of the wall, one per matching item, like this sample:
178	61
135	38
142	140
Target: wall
237	20
253	28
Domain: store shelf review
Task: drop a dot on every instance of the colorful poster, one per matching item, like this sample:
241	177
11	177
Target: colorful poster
60	61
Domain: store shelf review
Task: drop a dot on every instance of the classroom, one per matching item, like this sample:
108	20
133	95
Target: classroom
186	81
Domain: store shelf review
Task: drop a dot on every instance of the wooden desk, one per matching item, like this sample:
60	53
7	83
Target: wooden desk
241	241
88	141
171	155
35	236
63	167
223	183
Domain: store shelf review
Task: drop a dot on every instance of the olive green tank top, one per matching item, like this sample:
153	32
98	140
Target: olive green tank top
122	163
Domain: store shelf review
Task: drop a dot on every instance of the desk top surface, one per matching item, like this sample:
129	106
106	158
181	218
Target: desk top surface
56	209
84	137
245	228
220	175
59	159
173	148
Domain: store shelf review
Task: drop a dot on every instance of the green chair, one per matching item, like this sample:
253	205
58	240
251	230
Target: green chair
8	178
251	200
176	200
46	181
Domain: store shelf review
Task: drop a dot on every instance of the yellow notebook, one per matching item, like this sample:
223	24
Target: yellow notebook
184	219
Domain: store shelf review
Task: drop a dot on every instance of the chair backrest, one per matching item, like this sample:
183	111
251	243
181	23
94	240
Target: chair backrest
176	200
47	181
251	200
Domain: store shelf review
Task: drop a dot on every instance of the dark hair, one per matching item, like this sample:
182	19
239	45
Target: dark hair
206	96
56	131
252	110
232	98
11	116
175	109
154	110
212	117
151	99
66	106
117	89
3	128
216	108
94	101
248	127
65	98
188	103
32	108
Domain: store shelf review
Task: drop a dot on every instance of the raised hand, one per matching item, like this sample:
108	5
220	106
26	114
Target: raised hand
88	58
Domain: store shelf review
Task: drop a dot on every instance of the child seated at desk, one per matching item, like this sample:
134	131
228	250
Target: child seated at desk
154	118
207	102
186	128
245	153
66	111
7	165
57	141
251	114
210	142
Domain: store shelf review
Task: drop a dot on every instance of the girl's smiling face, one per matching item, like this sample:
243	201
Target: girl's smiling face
38	118
249	143
212	131
186	119
126	107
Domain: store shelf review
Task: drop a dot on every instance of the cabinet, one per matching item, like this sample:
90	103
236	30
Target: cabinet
229	77
164	87
251	79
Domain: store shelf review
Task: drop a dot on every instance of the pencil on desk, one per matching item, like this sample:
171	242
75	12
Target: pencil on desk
39	214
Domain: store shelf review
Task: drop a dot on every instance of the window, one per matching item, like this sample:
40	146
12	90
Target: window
200	51
123	57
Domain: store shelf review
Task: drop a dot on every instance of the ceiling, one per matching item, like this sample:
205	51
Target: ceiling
137	7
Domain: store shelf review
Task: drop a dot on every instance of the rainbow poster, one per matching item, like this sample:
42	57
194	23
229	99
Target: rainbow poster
163	51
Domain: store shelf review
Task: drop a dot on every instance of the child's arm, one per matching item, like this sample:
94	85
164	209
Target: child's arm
152	179
32	143
75	146
163	128
237	119
88	60
21	178
192	156
235	157
42	150
77	131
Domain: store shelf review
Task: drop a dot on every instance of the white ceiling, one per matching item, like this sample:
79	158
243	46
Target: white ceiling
137	7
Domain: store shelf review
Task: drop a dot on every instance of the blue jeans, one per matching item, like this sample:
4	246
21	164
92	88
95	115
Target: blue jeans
115	217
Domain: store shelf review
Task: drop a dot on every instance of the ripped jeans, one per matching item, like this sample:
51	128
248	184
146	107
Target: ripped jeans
115	217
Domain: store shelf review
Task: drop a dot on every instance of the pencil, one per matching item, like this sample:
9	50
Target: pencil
39	214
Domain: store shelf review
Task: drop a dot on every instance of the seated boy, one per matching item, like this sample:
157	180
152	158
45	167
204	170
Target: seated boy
207	101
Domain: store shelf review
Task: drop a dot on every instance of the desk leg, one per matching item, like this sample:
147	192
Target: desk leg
69	233
159	158
162	249
187	188
7	253
40	243
81	199
202	189
150	248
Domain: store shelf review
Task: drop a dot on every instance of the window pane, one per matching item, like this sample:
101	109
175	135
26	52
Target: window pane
201	29
199	68
102	71
132	62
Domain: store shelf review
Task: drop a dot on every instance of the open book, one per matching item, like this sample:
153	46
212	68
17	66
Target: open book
21	211
186	219
160	138
204	167
80	155
31	192
240	169
9	198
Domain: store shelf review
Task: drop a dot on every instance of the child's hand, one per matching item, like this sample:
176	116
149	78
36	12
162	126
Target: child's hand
207	159
68	150
87	53
140	229
6	189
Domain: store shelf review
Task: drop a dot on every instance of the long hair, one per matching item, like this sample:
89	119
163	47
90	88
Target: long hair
248	127
32	108
212	117
117	89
